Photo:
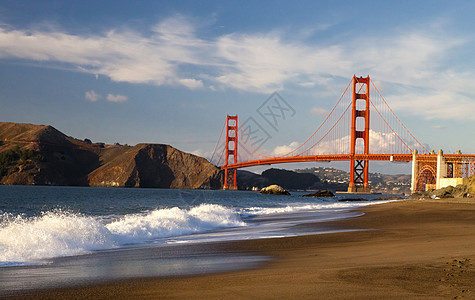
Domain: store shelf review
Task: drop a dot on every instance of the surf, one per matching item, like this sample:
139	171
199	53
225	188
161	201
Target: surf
57	233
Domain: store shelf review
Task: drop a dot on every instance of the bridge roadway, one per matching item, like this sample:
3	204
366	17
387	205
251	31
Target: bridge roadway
347	157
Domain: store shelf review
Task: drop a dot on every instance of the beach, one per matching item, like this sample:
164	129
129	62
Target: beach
402	250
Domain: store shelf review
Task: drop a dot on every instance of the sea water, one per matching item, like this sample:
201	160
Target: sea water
59	236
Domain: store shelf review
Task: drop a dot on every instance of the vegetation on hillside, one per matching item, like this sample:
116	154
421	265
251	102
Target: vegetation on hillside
16	157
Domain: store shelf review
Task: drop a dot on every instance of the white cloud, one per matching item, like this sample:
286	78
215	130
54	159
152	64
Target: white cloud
412	59
116	98
126	56
436	105
202	153
263	63
92	96
318	111
308	84
310	31
191	83
258	62
379	142
282	150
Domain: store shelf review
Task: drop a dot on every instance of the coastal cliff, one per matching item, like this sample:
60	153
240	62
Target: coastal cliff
156	165
42	155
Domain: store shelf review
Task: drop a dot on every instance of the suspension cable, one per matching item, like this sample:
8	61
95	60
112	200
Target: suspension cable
330	130
217	144
397	117
321	125
267	154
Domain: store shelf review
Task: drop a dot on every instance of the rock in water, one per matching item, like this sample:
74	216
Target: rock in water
275	190
352	199
323	193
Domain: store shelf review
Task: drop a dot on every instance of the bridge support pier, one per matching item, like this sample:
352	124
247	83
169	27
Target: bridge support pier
359	177
359	169
415	168
436	171
230	179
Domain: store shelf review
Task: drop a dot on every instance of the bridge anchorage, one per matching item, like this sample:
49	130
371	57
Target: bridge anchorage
346	135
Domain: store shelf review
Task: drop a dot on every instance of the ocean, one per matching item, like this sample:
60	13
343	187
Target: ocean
62	236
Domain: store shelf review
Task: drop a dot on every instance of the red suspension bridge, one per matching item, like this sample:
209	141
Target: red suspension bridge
345	135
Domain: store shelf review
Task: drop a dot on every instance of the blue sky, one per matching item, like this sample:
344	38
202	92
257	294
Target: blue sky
170	71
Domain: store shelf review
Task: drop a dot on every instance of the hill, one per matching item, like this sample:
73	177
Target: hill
290	180
338	180
318	178
42	155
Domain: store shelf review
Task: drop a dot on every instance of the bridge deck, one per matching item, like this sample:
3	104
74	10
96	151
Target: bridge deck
347	157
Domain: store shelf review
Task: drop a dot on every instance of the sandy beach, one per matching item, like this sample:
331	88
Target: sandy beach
405	250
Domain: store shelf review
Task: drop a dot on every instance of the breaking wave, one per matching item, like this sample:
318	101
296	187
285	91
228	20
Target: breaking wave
334	206
27	240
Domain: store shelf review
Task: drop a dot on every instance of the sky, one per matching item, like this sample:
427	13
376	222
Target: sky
170	71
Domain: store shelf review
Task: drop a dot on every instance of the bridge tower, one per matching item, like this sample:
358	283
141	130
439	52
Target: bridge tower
230	175
359	114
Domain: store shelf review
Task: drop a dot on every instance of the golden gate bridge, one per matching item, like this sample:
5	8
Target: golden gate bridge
346	135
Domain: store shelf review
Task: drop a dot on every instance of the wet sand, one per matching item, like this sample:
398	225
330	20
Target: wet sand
409	250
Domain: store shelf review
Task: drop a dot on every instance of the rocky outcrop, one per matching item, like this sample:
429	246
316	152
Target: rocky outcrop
323	193
274	190
41	155
352	200
466	190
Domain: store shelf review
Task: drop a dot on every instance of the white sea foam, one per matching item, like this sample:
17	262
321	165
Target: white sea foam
54	233
173	222
253	211
26	240
61	233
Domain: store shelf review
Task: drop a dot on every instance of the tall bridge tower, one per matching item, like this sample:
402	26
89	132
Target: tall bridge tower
359	132
230	175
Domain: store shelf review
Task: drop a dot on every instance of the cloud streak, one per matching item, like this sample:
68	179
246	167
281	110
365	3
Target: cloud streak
172	53
116	98
319	111
436	105
92	96
284	149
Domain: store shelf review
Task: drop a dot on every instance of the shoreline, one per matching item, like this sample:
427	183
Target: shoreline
406	249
